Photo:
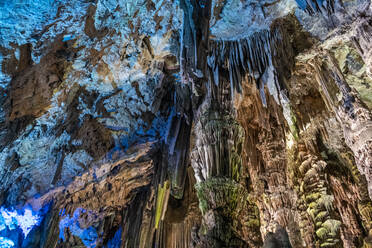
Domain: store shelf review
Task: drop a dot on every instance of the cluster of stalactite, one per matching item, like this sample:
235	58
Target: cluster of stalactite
254	57
298	201
262	150
217	157
222	180
326	7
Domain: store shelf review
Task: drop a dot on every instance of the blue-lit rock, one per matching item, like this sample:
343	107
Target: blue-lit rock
87	235
6	243
115	242
12	219
17	226
257	16
121	81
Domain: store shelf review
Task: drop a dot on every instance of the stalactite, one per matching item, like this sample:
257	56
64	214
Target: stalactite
265	57
353	115
326	7
177	142
194	43
218	146
250	56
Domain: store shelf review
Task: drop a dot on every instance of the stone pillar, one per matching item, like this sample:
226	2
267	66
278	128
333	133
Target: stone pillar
216	160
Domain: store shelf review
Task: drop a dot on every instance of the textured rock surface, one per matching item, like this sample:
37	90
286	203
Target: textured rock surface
186	123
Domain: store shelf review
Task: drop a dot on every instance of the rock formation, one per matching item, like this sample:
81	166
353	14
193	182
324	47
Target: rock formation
186	123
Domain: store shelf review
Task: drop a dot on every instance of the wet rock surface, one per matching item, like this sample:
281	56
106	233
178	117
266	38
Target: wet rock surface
186	123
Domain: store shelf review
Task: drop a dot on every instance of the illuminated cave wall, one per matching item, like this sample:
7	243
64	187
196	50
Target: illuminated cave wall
177	123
